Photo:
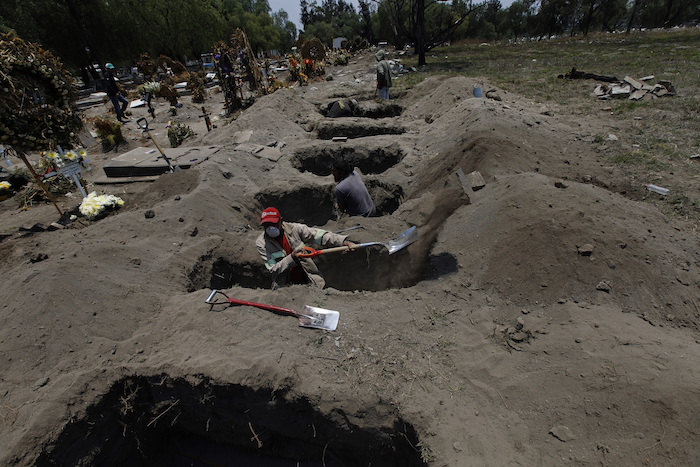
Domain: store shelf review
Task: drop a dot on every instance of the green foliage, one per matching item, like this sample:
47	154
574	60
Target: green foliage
196	87
177	133
109	131
37	108
334	18
95	31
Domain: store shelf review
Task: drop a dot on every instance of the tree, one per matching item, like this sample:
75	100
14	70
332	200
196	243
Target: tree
515	21
366	15
333	18
410	17
663	13
83	32
600	14
288	31
555	17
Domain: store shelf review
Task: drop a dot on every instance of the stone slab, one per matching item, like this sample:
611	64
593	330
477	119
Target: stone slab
638	94
260	151
463	180
105	180
240	137
619	91
633	82
476	180
143	161
272	154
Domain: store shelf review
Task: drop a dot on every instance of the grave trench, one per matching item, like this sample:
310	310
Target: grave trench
381	111
368	269
318	159
313	205
332	128
371	110
160	420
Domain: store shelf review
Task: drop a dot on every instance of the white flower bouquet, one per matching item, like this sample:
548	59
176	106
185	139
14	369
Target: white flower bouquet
58	159
151	86
5	190
95	205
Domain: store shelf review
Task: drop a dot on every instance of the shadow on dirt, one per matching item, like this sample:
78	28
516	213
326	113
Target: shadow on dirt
159	420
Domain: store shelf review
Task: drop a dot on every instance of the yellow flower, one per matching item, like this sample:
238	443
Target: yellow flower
52	155
70	155
82	153
5	186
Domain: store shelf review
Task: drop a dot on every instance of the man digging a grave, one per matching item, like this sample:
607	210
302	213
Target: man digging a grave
280	244
351	194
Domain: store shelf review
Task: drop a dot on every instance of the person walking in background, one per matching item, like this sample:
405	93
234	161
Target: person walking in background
112	90
383	74
351	194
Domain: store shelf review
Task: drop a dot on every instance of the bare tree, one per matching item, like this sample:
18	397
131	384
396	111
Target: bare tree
408	16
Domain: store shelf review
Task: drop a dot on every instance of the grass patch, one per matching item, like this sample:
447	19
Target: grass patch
628	158
655	136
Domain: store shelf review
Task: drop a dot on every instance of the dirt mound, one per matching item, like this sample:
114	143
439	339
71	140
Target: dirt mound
550	316
533	238
433	97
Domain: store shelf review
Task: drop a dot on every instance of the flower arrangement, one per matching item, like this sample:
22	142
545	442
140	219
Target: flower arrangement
37	105
152	87
197	87
109	131
54	160
95	205
308	66
178	132
5	190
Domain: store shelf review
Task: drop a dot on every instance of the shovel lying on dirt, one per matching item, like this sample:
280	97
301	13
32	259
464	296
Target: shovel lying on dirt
310	317
394	245
143	124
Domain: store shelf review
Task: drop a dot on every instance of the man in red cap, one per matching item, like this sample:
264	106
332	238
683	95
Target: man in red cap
279	247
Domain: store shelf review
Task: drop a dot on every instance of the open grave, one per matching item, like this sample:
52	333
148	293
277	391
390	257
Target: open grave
357	128
159	420
294	203
368	269
371	109
318	159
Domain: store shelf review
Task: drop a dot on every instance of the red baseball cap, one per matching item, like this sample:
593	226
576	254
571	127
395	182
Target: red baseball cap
270	216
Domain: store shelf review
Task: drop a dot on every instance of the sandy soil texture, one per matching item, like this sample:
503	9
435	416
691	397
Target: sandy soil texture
548	318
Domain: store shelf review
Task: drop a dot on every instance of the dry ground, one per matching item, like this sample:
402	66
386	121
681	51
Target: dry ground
548	318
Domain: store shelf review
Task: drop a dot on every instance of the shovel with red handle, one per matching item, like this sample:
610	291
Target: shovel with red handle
310	317
394	245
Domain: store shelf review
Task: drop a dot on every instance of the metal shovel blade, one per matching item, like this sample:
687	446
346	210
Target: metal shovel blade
319	318
403	240
398	243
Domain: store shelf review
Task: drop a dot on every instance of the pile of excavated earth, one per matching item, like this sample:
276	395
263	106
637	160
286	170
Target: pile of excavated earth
547	316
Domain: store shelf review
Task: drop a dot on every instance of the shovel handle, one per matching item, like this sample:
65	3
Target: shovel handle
264	307
308	252
142	123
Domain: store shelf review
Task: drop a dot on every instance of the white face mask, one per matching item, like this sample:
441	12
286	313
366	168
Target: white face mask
272	231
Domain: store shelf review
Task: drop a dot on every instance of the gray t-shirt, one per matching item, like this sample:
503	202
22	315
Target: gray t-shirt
353	197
